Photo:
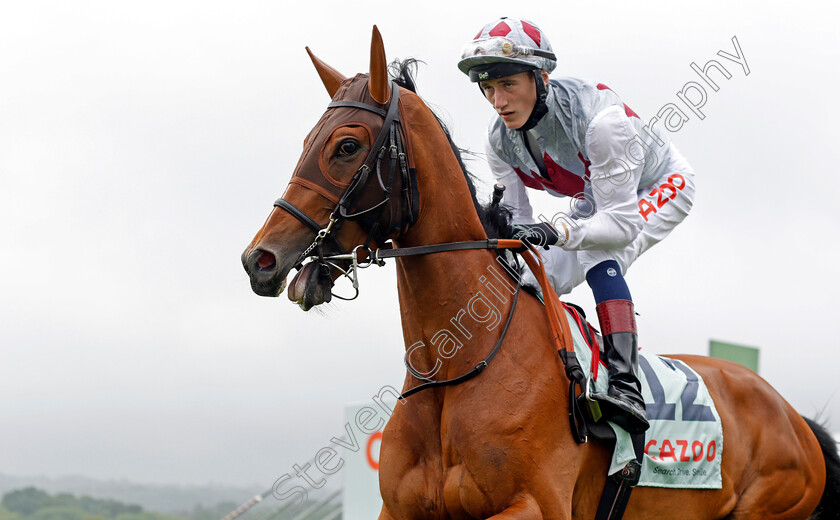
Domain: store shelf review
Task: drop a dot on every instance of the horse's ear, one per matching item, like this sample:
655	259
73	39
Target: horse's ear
379	86
332	78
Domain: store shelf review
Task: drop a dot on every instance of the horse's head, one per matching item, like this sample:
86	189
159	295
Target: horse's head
353	185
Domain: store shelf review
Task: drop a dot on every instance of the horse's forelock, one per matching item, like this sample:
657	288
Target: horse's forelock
403	71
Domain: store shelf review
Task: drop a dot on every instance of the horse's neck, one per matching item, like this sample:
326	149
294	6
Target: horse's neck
453	307
444	296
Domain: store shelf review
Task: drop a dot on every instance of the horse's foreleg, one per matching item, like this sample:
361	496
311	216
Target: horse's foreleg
525	508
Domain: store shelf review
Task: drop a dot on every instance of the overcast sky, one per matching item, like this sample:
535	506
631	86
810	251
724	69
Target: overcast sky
142	145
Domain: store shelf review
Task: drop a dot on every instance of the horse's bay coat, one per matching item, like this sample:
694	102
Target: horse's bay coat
499	445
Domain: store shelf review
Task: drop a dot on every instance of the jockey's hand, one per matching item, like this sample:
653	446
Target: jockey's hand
541	234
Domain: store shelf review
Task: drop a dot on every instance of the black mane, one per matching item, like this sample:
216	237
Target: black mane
496	220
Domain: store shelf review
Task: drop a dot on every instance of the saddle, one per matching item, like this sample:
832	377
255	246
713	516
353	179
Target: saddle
584	409
585	420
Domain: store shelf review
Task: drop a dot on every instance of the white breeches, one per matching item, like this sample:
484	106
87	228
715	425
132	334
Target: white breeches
663	205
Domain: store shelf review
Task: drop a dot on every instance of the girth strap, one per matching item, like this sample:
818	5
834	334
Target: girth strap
619	485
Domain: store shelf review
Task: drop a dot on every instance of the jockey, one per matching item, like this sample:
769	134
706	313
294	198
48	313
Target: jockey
629	186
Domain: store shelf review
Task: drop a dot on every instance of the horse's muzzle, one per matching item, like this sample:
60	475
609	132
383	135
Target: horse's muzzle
267	274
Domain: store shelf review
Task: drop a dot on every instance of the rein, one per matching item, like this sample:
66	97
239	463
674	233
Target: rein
561	335
377	256
392	131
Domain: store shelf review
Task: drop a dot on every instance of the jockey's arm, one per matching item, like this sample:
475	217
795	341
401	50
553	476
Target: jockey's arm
560	265
614	178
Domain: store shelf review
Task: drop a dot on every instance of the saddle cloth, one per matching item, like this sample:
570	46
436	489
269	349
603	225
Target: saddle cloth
684	444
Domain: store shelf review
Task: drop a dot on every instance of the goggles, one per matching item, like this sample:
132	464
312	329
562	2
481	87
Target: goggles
503	48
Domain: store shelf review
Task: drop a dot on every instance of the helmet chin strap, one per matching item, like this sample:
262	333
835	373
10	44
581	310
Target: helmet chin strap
540	107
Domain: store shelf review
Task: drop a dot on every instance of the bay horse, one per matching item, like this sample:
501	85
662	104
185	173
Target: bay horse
498	446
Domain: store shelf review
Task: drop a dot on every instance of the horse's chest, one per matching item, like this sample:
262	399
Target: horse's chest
462	495
475	460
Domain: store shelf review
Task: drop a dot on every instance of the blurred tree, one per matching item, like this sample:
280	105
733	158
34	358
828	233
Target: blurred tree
220	510
57	513
33	504
145	516
26	501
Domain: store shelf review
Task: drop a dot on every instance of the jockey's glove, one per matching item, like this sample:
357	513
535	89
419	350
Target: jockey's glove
541	234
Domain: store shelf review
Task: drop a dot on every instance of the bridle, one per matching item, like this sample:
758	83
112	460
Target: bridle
370	218
399	163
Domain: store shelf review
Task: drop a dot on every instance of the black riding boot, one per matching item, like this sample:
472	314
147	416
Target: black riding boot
623	404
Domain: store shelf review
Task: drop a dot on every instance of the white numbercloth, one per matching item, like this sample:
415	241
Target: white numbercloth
665	464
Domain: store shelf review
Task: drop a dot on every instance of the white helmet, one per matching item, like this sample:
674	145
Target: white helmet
504	47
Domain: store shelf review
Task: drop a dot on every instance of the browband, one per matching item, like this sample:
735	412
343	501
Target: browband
356	104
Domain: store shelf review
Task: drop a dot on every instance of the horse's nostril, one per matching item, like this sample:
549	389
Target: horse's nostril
266	260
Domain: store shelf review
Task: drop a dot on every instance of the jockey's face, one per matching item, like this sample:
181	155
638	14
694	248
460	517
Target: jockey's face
513	97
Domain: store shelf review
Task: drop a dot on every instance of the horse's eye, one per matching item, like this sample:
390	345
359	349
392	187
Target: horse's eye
347	148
